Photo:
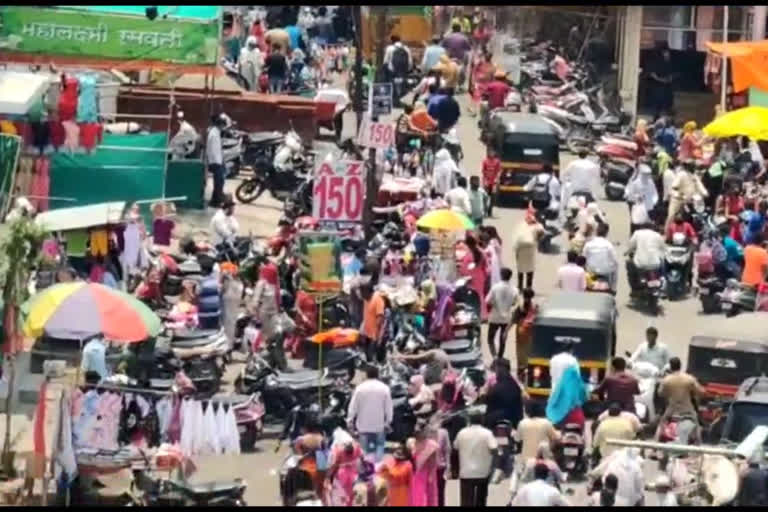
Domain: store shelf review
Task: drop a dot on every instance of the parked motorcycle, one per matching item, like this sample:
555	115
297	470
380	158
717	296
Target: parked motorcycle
290	167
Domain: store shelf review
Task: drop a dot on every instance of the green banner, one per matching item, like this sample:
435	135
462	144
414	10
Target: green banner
63	32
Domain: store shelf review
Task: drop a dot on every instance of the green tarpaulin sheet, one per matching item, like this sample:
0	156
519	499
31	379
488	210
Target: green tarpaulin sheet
192	12
113	174
185	178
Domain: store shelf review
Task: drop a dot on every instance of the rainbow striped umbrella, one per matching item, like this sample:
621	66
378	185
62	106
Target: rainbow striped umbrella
80	310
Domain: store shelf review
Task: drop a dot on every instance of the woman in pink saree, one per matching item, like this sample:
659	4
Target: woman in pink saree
343	472
424	484
474	266
482	74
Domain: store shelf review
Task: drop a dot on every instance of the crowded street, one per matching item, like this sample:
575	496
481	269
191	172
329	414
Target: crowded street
383	256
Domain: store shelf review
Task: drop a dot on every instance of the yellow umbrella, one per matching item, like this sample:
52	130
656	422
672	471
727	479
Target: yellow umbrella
749	121
446	220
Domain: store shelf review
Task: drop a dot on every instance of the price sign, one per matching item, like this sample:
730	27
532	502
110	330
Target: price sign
376	135
339	191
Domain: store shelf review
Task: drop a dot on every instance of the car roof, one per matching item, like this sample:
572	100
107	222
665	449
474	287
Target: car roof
579	306
754	389
729	343
521	122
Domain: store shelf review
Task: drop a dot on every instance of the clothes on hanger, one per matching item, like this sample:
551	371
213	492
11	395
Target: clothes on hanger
8	128
68	98
41	184
71	135
99	242
77	242
87	100
25	175
90	135
41	136
58	134
133	255
161	231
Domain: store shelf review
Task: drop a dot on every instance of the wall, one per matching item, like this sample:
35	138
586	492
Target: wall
252	111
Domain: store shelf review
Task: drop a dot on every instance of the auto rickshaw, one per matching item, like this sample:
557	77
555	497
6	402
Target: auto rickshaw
524	143
588	320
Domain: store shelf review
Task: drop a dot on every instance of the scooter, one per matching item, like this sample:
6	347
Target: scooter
737	298
548	219
507	447
677	257
649	289
571	455
710	286
615	174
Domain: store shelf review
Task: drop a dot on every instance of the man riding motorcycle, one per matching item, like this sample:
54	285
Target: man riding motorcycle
646	251
680	390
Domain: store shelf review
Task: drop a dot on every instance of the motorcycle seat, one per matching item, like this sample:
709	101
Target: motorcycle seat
465	359
231	399
195	334
457	346
266	137
209	490
299	376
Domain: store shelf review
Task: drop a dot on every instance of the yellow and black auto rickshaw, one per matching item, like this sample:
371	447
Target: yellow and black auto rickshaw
585	320
524	143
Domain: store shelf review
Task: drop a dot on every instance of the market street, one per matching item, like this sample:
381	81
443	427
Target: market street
677	323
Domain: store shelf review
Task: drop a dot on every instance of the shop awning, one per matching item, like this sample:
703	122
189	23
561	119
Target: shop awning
82	217
749	63
19	91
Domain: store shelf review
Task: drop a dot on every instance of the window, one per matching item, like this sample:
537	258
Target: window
680	16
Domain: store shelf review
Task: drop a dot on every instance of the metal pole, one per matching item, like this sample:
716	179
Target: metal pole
724	78
678	448
358	99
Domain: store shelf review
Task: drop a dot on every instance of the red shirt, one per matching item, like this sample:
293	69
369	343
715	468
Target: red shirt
491	171
620	387
685	227
497	92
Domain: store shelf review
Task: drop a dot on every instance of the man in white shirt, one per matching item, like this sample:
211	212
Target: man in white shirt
571	277
647	246
215	159
502	300
583	175
476	446
224	226
458	197
627	465
601	256
559	363
544	190
539	493
370	412
651	351
390	50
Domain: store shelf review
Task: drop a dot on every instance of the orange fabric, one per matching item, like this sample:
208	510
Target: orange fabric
748	63
755	261
373	315
398	474
423	121
338	336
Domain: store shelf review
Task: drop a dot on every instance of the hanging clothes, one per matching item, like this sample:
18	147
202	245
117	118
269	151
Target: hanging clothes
77	241
68	98
65	453
8	128
25	175
87	100
162	230
71	135
57	132
211	439
133	254
41	185
90	135
41	136
99	242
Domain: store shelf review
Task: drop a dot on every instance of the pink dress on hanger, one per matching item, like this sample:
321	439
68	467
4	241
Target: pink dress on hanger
41	184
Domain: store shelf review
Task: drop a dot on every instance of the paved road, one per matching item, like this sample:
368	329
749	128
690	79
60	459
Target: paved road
678	322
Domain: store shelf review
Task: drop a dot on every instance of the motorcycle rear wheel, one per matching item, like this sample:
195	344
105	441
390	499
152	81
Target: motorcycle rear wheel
249	191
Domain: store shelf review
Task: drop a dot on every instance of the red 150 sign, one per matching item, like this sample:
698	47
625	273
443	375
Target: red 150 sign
338	191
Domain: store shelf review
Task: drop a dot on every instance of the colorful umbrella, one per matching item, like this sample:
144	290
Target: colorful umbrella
749	121
80	310
446	220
